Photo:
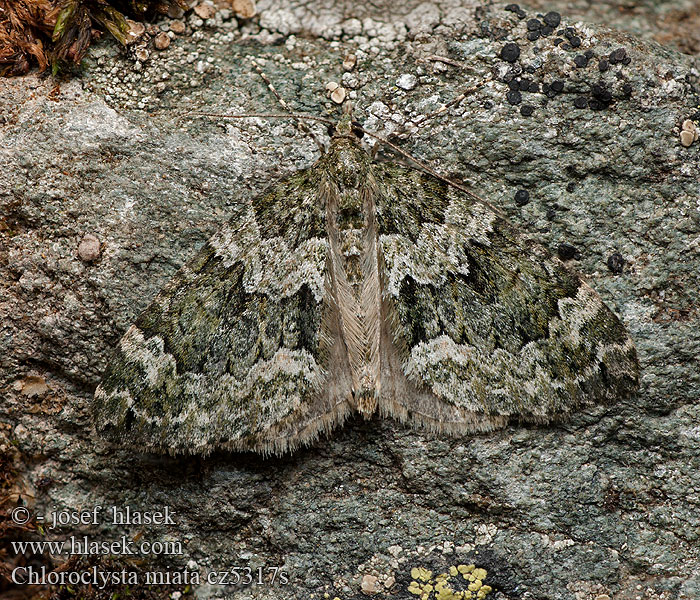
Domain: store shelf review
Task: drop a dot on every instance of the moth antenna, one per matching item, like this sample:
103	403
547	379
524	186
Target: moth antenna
450	104
299	116
428	169
455	101
286	107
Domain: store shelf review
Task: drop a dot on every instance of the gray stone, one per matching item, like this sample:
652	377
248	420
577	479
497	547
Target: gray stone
407	81
596	506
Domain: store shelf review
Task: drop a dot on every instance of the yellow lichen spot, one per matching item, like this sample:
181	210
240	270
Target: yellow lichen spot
475	585
453	571
415	588
463	569
448	594
414	572
427	588
481	594
480	573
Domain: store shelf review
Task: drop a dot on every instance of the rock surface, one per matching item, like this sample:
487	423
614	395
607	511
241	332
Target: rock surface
607	504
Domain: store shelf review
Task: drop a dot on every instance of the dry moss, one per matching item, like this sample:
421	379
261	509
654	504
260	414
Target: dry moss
57	33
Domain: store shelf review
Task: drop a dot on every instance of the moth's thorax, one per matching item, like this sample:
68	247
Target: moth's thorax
346	163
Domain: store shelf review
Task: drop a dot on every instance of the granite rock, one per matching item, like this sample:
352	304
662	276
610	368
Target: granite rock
605	504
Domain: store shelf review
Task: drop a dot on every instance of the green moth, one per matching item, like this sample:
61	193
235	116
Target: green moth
359	286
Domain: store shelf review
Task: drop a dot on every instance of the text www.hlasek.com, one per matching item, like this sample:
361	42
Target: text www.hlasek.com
84	545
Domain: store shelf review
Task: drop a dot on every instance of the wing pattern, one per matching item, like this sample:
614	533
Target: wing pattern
490	323
231	354
367	287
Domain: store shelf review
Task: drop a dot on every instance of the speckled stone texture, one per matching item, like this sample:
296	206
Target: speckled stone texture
607	505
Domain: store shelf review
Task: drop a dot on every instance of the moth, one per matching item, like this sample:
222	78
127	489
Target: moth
359	286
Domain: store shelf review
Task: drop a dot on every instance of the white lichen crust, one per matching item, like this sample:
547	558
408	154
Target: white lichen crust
354	286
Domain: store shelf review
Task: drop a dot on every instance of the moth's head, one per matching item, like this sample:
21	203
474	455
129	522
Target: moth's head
346	127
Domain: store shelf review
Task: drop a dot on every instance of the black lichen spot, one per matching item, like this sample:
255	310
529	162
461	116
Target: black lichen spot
521	14
512	8
524	85
522	197
570	187
546	31
534	25
603	65
567	252
601	97
513	85
534	87
627	89
575	41
533	36
552	19
514	97
616	263
510	52
580	102
526	110
581	60
557	86
557	41
569	32
589	54
617	56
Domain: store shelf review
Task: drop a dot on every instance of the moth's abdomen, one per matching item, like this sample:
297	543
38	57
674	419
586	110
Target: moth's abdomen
354	274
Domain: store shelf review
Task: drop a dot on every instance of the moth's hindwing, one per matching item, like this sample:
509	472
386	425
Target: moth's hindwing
488	325
233	352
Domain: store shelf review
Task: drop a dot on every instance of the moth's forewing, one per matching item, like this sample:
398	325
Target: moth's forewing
232	353
489	322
